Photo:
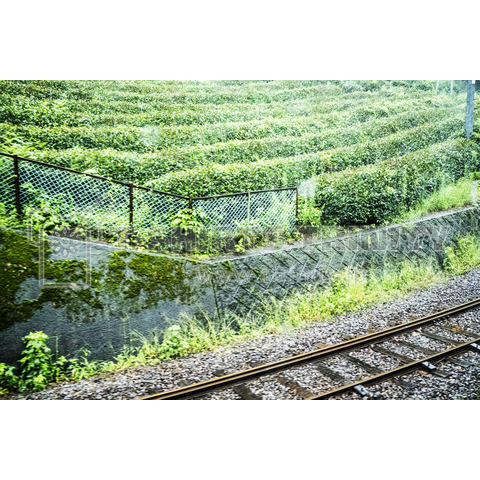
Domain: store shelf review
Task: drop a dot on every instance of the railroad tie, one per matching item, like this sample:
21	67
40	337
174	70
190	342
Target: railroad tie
474	347
441	338
429	352
405	359
460	331
328	372
185	383
375	371
242	390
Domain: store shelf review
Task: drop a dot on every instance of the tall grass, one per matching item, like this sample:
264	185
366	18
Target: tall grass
349	291
450	196
463	256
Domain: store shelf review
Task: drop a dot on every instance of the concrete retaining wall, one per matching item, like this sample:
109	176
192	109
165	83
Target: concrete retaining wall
102	308
109	295
278	271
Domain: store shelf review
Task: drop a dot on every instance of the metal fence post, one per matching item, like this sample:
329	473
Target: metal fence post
248	209
190	203
131	204
16	174
470	108
296	206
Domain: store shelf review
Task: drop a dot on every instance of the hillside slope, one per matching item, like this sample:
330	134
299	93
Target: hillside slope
181	136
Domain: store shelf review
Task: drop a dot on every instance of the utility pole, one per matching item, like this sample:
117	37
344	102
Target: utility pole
469	113
451	87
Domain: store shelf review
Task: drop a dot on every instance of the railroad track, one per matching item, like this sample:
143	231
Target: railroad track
456	339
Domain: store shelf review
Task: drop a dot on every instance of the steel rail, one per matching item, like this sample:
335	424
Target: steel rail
399	371
219	383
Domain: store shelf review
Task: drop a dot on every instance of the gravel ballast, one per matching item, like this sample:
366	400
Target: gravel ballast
459	382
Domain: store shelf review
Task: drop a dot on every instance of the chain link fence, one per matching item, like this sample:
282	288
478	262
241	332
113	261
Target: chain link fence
104	203
7	184
153	209
249	212
100	203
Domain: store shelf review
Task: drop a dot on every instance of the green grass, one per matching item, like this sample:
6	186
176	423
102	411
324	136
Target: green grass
349	291
463	256
448	197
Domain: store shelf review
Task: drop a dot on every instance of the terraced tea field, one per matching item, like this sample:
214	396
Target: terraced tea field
399	139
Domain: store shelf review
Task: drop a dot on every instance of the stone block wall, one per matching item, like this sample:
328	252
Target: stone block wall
102	298
243	283
90	296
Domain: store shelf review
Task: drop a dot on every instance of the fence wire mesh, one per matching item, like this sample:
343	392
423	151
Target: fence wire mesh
274	210
102	204
254	212
7	185
105	204
153	210
224	215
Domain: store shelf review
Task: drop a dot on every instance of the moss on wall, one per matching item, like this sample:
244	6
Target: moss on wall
128	282
148	278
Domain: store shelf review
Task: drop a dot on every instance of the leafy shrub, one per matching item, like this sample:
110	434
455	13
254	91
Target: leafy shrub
173	343
37	363
374	193
216	179
308	213
189	220
8	380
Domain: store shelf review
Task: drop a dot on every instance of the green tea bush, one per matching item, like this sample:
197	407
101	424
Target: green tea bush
375	193
211	91
21	110
246	151
11	87
121	138
216	179
48	89
219	96
106	161
215	94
